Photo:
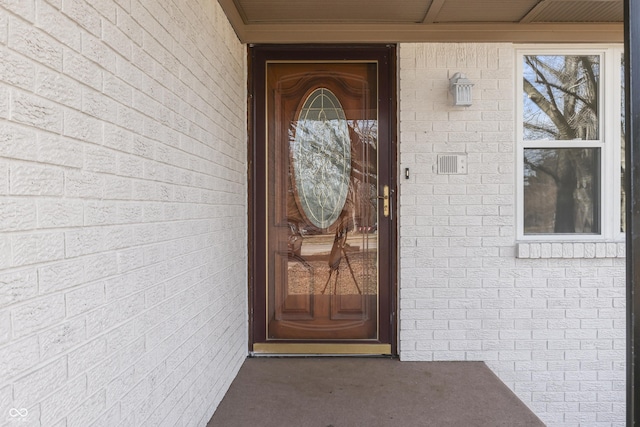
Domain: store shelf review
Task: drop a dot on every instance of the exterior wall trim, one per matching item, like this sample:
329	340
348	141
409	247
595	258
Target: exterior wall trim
570	250
398	33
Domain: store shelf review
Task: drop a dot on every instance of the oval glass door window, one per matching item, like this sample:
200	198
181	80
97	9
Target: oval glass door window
321	158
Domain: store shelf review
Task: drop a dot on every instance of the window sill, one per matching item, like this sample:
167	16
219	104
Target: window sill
564	250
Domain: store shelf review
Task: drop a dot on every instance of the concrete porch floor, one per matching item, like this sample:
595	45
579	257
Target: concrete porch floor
368	392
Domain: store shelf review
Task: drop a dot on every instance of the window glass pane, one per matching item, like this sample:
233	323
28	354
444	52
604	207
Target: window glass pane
561	190
560	99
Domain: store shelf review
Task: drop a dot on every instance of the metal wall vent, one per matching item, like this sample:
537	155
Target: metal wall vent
452	164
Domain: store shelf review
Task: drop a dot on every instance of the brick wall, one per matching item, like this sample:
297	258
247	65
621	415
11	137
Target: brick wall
123	211
548	319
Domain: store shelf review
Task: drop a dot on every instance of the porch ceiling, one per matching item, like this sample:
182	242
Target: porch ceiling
388	21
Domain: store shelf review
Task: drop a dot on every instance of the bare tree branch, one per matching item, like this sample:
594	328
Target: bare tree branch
550	110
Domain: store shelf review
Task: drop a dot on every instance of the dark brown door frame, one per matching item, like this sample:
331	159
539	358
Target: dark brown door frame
632	154
258	55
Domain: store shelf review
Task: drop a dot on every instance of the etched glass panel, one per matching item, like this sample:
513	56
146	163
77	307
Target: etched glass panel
321	154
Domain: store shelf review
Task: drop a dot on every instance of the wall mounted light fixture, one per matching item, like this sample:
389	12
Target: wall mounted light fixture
460	88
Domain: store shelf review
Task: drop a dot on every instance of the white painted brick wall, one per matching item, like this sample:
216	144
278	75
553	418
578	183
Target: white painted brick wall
549	319
122	211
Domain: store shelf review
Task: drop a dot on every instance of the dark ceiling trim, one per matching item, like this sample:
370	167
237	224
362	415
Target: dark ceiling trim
398	33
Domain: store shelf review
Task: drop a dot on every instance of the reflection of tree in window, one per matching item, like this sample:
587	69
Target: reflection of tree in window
561	172
363	186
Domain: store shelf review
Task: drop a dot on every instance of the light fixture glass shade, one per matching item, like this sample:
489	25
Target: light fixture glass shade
460	88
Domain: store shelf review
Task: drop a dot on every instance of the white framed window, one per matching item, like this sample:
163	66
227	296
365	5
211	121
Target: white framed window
570	143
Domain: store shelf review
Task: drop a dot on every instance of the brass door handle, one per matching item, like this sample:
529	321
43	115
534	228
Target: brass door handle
385	201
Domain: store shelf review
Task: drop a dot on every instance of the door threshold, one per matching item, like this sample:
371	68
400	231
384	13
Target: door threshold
319	349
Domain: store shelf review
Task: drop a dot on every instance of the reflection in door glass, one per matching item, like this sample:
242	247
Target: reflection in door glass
323	257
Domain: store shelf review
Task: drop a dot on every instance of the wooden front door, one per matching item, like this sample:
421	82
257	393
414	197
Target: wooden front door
323	193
